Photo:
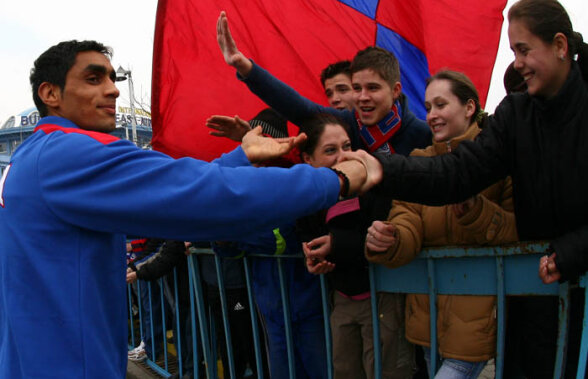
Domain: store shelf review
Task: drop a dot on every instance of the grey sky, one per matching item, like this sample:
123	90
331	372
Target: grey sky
28	27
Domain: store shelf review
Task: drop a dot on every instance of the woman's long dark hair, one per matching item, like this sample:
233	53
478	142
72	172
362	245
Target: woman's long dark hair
314	128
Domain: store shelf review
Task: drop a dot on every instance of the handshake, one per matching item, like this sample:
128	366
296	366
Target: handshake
359	171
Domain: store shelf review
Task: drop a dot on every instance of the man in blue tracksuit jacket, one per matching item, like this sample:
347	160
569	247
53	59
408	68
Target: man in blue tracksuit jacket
72	192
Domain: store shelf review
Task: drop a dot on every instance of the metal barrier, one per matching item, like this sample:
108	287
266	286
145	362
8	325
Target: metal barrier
499	271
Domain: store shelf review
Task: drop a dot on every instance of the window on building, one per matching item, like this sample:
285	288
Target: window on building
9	123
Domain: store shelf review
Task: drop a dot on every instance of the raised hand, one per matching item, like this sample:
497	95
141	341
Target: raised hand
233	128
228	47
258	148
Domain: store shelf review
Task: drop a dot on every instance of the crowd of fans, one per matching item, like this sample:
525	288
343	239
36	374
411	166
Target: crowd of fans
545	85
364	181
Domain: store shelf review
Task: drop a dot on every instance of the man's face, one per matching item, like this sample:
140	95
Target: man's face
338	91
89	96
372	95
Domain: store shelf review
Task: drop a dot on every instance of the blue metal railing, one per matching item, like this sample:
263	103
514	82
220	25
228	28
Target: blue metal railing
498	271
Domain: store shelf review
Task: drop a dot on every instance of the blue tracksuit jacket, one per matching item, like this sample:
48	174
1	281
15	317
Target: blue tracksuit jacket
67	200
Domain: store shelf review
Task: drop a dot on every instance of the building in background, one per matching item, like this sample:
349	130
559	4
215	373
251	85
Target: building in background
19	127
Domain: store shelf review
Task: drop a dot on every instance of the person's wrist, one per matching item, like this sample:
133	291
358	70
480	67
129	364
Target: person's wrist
344	183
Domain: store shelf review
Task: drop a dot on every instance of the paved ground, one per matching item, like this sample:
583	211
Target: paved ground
138	371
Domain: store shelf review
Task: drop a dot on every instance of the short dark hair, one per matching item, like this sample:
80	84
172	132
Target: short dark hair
53	65
462	87
314	127
334	69
513	80
381	61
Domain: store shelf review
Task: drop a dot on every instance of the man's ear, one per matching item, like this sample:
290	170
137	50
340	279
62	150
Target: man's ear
50	94
396	90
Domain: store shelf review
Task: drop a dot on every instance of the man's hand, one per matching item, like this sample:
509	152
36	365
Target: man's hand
233	128
381	236
228	47
548	271
258	148
315	252
131	276
365	176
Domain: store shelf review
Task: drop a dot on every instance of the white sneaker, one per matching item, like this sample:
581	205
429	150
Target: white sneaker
139	356
137	349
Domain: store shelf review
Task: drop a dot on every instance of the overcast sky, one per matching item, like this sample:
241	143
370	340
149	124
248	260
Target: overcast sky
29	27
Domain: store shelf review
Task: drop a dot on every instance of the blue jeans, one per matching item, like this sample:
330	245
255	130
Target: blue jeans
309	348
455	368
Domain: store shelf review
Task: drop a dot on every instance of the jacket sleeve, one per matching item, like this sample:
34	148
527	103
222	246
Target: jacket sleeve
283	98
118	188
452	178
572	253
490	223
162	263
152	244
408	221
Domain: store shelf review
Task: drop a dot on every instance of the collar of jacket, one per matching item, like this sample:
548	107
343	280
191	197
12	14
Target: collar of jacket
443	147
570	97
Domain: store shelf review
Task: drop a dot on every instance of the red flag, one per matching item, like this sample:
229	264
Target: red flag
295	40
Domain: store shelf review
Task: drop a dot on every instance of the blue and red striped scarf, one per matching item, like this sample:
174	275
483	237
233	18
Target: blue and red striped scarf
378	137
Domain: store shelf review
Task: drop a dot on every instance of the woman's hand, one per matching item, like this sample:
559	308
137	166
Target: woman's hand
315	252
381	235
548	271
464	207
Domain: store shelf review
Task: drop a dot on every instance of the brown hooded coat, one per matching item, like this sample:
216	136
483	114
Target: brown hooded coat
466	325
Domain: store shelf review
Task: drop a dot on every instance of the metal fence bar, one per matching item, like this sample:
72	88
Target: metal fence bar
163	324
287	319
153	351
326	315
195	350
433	316
375	325
178	337
131	316
562	335
253	314
202	319
500	317
584	344
140	311
225	313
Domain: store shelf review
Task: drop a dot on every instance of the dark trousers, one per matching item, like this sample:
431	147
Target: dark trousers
531	335
240	328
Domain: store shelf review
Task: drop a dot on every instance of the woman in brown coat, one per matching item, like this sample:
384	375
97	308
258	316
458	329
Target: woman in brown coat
466	324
